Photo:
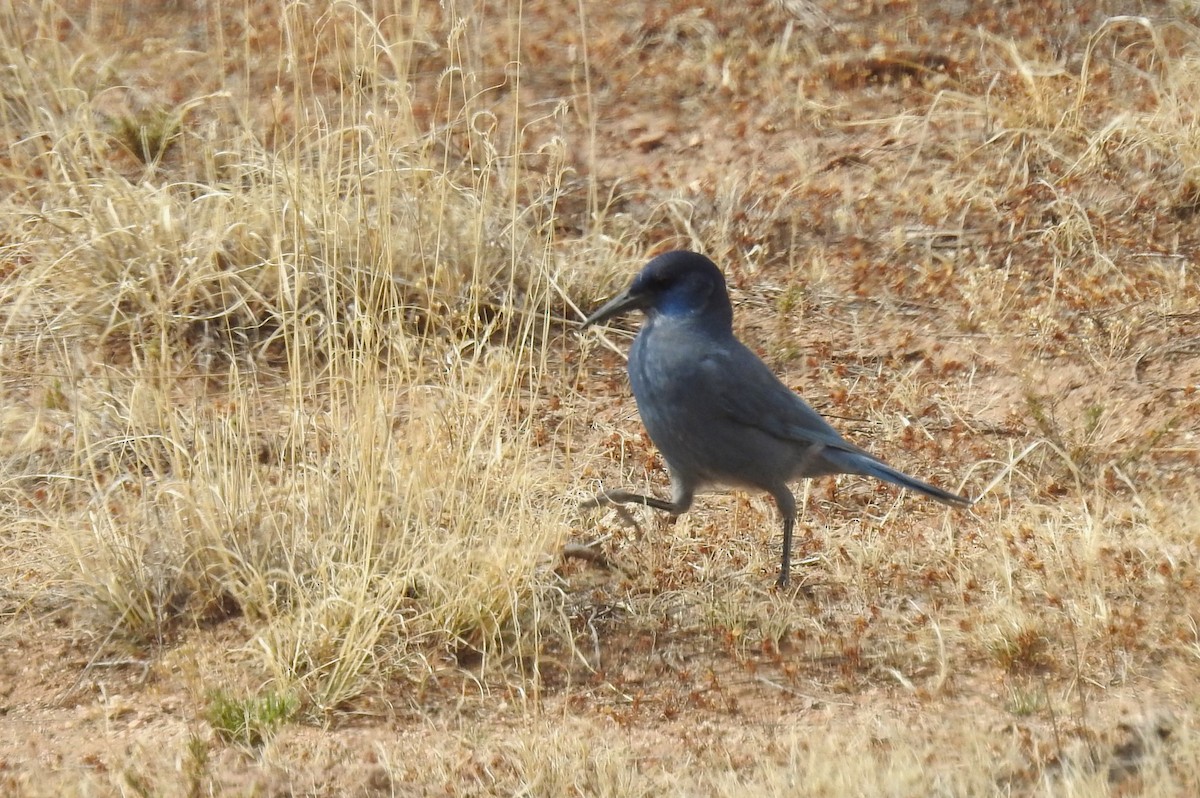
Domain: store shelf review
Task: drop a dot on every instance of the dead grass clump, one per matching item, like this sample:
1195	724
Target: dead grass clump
292	380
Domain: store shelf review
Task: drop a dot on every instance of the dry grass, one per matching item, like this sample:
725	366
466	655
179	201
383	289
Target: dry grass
296	422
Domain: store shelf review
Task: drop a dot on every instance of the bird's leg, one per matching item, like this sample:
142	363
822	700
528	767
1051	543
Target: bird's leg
785	566
619	497
681	500
786	503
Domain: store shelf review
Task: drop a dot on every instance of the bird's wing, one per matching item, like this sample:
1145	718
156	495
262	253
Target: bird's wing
747	392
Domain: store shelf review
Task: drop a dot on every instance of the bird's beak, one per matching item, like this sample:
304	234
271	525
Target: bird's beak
625	301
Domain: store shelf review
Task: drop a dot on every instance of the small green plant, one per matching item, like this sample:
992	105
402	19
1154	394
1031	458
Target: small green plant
791	300
1084	449
249	721
1025	700
1092	417
55	397
1043	418
148	134
137	783
196	765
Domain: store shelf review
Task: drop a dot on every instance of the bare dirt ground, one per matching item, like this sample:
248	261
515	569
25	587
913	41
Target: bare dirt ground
967	233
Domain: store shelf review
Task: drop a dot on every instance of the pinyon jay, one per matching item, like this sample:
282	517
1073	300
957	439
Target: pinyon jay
715	410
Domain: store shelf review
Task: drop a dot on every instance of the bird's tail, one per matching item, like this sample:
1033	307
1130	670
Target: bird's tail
862	463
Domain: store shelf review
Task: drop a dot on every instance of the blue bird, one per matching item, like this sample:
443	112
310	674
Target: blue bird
715	410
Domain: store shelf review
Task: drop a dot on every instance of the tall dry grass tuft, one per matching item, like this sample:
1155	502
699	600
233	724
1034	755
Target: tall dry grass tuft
281	370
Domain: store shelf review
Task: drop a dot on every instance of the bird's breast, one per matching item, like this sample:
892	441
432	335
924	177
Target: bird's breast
678	406
665	373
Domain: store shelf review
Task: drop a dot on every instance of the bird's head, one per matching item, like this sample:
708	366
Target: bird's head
676	284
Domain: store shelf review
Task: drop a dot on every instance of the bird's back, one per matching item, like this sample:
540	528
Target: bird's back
719	415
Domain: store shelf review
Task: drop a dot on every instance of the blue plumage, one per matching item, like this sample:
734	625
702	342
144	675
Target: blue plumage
715	410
